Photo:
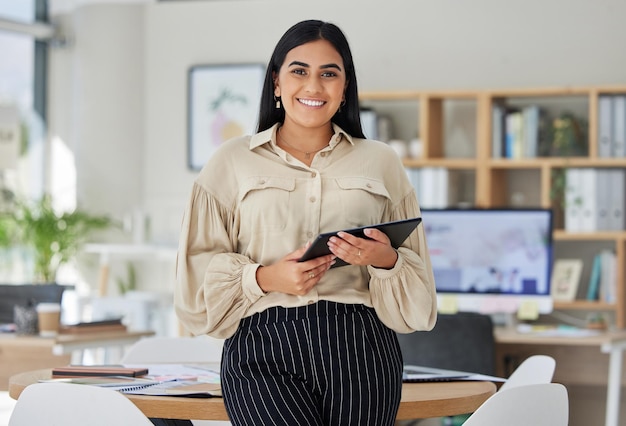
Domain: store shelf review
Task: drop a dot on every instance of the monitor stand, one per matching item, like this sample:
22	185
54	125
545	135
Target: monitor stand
504	319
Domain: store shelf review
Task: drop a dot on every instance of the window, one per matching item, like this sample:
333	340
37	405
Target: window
22	103
22	117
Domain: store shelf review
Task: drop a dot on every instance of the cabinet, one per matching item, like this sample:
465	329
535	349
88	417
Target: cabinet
456	131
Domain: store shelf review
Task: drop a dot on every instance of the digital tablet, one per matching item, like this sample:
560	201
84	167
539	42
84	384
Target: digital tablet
397	231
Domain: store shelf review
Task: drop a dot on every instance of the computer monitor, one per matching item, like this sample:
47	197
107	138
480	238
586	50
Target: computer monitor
491	261
25	295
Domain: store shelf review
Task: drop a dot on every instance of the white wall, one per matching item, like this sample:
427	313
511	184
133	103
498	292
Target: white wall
119	93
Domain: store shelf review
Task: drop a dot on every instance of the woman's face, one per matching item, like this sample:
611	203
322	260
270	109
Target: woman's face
311	84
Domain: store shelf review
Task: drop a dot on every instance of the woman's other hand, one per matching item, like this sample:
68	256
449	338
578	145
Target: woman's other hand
292	277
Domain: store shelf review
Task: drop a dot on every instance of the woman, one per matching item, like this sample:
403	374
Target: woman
305	344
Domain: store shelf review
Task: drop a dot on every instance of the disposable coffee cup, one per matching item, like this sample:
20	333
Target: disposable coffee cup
49	315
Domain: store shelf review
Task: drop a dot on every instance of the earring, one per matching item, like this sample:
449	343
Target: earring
343	103
277	102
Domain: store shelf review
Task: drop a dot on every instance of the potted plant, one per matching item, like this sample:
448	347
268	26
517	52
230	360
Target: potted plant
53	238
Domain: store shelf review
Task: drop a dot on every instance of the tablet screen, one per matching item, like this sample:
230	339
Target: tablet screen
397	231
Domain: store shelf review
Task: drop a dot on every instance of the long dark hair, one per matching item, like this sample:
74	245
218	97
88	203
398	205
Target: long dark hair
304	32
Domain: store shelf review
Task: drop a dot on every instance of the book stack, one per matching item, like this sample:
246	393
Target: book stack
94	327
612	126
98	371
517	133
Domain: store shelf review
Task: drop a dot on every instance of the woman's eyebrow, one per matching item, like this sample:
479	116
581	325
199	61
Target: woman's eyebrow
305	65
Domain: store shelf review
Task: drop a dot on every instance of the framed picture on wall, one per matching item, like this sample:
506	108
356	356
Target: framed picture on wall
223	102
565	279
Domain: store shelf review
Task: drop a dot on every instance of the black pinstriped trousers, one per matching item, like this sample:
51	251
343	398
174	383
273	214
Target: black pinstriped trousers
322	364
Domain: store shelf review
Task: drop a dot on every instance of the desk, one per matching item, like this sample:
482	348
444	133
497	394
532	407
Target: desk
612	343
419	400
23	353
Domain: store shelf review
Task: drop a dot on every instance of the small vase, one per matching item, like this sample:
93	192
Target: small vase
25	319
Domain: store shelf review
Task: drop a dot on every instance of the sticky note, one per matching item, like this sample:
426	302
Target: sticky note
447	304
528	310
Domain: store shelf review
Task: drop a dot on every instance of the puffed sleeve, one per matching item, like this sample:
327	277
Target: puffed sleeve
404	297
214	285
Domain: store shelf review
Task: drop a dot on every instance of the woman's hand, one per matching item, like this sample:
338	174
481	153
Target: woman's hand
292	277
376	251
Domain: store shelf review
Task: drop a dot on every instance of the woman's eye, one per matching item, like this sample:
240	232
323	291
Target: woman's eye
329	74
299	71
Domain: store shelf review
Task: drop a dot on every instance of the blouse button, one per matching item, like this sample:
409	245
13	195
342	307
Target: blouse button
369	185
310	302
323	154
313	174
262	182
312	199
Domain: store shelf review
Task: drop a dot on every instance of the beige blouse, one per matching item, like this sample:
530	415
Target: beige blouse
253	203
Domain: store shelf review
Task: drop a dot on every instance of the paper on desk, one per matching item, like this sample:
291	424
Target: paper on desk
207	373
188	388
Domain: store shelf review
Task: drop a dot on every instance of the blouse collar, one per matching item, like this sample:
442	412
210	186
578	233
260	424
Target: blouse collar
269	135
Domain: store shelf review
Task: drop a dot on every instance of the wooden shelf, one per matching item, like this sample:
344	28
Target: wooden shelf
494	177
584	305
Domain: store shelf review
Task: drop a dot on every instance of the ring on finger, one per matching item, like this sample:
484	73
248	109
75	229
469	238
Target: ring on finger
311	275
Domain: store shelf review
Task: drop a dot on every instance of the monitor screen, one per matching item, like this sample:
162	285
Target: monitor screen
491	259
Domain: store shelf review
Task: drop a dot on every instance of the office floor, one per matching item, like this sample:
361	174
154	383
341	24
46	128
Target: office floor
6	407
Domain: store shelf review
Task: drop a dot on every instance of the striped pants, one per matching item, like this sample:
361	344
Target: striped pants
322	364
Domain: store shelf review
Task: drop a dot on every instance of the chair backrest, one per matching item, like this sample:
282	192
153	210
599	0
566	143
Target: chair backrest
462	341
544	404
533	370
155	350
68	404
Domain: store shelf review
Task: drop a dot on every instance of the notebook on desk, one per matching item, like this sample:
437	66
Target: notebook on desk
418	373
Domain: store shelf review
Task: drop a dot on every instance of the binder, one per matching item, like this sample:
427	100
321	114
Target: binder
573	200
497	130
429	187
605	126
589	210
603	199
619	126
617	199
608	276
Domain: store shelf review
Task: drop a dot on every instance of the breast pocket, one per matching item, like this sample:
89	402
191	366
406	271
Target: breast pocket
362	200
264	203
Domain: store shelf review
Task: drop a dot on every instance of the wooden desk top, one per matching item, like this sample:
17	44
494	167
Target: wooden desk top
419	400
12	339
512	336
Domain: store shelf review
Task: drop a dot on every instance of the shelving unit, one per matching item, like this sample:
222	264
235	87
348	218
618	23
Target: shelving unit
455	128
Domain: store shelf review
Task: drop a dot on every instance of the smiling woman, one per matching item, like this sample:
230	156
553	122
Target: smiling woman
302	338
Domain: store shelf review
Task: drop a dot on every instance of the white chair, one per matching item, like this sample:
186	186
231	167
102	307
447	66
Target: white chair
157	350
544	404
192	350
535	369
67	404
